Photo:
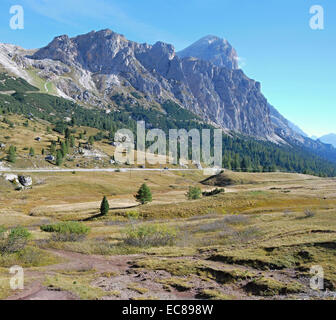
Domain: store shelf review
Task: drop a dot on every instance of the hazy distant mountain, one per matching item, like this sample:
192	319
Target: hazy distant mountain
211	48
329	139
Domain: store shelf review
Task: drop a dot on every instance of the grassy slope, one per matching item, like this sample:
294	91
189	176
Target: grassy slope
218	254
267	253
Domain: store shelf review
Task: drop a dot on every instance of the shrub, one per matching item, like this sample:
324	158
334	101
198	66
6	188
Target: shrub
66	227
132	214
246	235
67	237
31	152
236	219
309	213
31	256
13	241
150	236
2	232
194	193
218	225
67	231
287	213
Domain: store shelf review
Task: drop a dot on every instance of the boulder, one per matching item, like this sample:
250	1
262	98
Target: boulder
10	177
26	181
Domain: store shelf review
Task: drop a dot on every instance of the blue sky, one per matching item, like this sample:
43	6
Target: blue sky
295	64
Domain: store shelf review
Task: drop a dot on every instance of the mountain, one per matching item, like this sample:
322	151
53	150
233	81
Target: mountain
104	70
95	68
329	139
219	52
105	81
213	49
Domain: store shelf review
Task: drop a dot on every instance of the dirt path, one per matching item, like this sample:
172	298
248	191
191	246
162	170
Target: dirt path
73	262
117	276
113	273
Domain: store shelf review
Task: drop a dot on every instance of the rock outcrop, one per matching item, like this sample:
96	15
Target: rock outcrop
26	181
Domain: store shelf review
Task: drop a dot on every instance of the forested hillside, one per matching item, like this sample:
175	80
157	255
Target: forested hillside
240	153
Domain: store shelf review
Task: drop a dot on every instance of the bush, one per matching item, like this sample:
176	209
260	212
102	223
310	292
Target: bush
67	237
13	241
67	231
287	213
236	219
218	225
66	227
150	236
2	232
194	193
309	213
246	235
132	214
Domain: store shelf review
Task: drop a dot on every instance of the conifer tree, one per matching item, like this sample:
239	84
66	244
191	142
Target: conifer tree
11	154
59	158
144	194
104	207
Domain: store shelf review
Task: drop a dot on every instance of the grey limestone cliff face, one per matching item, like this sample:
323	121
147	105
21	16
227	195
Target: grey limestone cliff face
212	88
214	49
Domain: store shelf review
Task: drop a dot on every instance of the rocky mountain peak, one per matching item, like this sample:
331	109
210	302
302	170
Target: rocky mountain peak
207	84
103	69
163	48
214	49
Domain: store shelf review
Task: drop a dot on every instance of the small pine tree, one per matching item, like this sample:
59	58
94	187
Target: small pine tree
144	194
72	141
59	158
67	133
64	149
91	140
11	157
53	148
31	152
104	207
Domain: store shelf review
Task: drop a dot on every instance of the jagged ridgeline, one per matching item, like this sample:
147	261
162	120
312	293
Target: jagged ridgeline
239	152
